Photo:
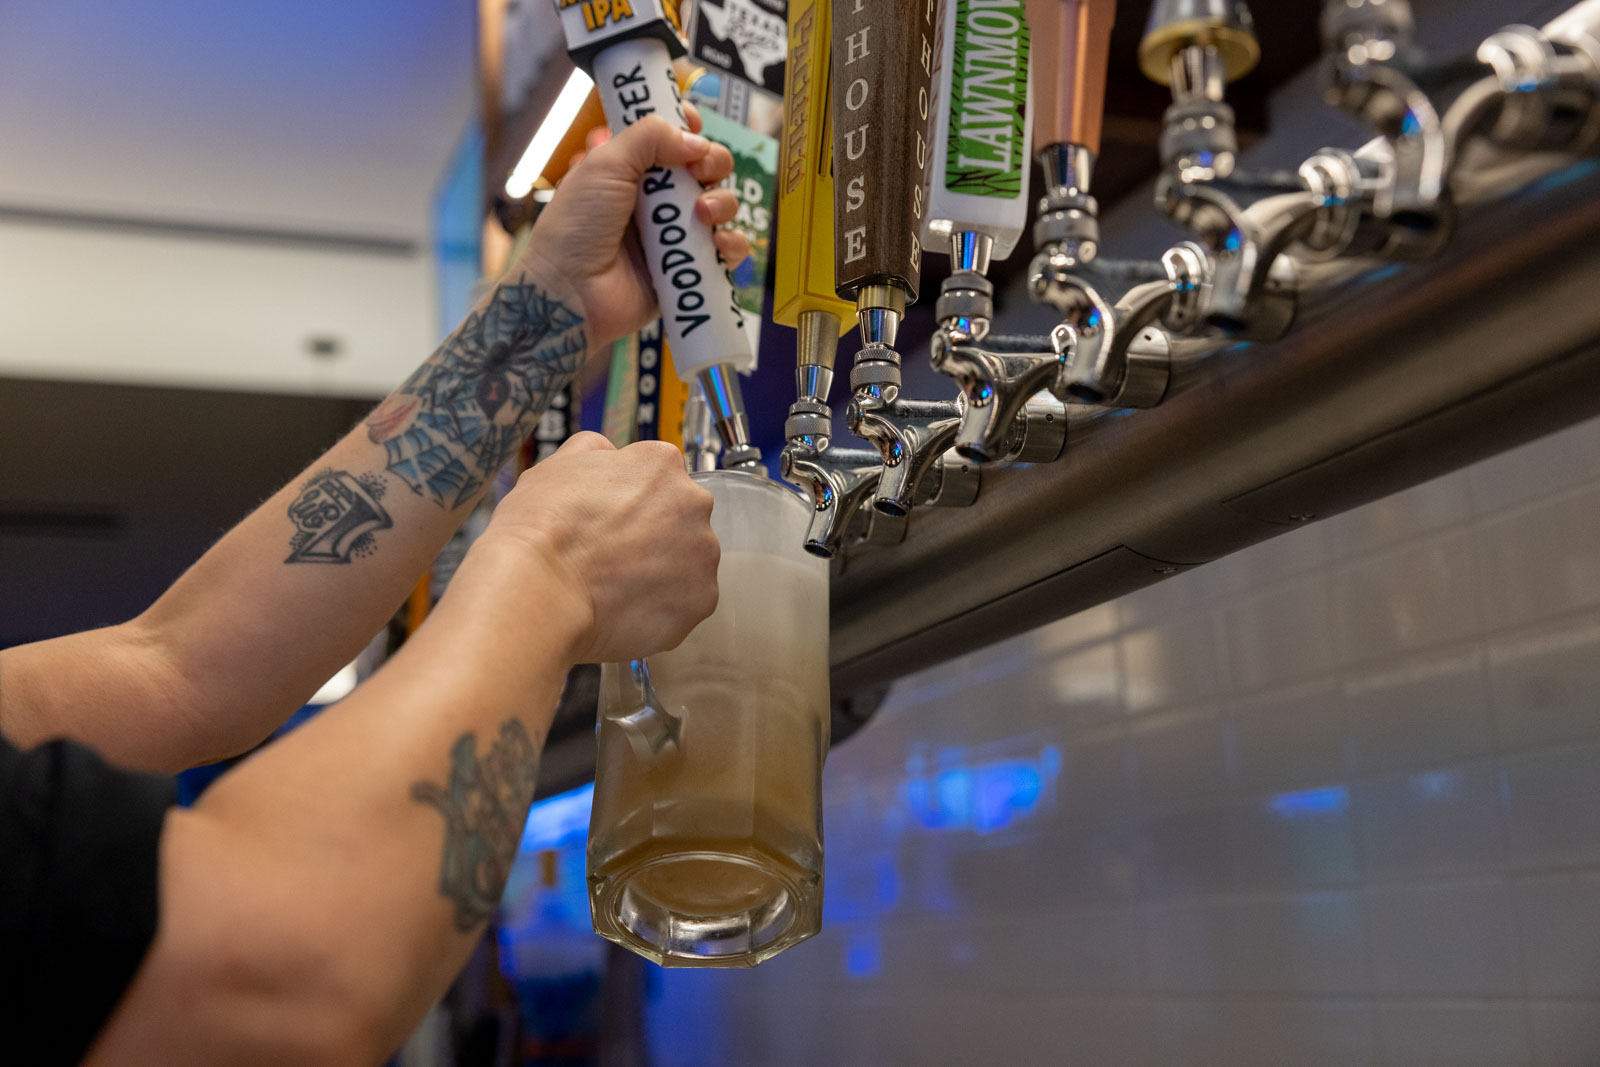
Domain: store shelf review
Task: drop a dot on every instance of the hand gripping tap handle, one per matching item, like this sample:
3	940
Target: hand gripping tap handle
628	46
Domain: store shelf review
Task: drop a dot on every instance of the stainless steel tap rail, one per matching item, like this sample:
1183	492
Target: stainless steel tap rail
1435	321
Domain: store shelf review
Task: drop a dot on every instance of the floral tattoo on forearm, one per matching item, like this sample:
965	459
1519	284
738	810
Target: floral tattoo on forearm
465	412
485	807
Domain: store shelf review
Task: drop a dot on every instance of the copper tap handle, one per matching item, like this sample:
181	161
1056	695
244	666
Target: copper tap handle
1071	42
882	86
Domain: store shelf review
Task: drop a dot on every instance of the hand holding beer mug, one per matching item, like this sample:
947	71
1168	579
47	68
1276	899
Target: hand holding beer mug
705	843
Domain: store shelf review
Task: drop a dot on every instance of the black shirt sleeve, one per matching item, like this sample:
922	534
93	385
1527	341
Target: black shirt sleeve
79	853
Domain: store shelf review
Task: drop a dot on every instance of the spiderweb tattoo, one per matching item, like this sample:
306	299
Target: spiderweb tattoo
456	421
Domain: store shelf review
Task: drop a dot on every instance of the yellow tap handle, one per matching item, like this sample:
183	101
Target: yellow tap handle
804	249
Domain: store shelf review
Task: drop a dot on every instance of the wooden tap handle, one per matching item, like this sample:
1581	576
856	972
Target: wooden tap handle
883	53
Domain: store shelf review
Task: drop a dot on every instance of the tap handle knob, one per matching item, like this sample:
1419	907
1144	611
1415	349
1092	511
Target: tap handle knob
1174	26
1071	43
882	98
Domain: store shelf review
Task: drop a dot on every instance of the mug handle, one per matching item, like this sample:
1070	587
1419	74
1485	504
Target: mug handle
650	728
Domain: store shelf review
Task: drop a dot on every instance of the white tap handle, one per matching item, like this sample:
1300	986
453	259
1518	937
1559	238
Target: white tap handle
983	125
703	322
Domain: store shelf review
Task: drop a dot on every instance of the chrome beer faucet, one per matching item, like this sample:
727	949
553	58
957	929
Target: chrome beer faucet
1003	415
1525	88
1114	353
911	436
701	444
1243	220
840	483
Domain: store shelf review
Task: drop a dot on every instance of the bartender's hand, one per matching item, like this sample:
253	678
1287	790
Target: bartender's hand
619	541
585	234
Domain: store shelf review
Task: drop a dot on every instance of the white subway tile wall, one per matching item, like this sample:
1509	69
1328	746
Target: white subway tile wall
1333	800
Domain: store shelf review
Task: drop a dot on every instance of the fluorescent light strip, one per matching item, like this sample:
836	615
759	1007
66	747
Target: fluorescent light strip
555	126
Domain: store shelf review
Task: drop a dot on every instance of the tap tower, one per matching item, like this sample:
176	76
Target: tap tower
936	107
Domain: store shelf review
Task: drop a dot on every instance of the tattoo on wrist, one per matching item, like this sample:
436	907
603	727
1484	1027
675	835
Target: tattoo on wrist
456	421
485	808
335	516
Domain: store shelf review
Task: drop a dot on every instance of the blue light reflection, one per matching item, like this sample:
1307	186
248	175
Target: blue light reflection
1435	785
983	797
1308	802
864	957
559	820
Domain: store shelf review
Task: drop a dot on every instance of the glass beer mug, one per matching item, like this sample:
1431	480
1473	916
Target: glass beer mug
705	842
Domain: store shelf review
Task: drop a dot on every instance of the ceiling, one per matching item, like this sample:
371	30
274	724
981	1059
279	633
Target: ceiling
302	114
234	183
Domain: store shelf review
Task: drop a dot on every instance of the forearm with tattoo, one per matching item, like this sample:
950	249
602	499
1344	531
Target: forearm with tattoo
452	425
297	588
456	421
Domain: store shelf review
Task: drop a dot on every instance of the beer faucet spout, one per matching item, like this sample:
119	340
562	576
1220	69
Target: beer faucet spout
1117	356
997	388
910	435
838	481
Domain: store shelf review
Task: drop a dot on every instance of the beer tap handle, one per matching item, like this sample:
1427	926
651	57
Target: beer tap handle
1221	35
882	83
804	296
1195	47
1072	39
629	48
982	135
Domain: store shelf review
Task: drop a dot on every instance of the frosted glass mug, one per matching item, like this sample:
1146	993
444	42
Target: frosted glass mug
705	842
